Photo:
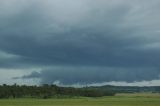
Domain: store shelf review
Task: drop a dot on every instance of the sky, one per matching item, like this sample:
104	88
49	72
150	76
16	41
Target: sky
80	42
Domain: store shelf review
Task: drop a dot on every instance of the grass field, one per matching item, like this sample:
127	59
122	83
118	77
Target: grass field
118	100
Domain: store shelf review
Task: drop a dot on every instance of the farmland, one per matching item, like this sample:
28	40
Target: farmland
139	99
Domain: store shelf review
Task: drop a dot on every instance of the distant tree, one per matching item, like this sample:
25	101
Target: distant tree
47	91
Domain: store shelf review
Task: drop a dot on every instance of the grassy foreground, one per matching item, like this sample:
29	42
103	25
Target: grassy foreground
118	100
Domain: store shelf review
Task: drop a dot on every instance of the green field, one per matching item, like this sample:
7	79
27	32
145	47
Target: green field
118	100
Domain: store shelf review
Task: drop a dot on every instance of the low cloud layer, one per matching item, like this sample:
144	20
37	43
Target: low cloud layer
78	75
87	35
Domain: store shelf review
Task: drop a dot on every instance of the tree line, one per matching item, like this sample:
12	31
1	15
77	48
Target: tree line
50	91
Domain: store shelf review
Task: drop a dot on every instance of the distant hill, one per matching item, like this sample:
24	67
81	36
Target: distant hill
129	89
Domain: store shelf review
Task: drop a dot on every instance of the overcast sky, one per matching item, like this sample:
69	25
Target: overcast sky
78	42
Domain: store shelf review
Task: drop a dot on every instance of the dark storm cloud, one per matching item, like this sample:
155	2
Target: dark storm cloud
121	34
73	75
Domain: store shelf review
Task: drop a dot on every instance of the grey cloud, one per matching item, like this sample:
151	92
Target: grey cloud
32	75
84	33
86	75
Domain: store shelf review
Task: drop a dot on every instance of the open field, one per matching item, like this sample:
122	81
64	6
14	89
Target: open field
118	100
